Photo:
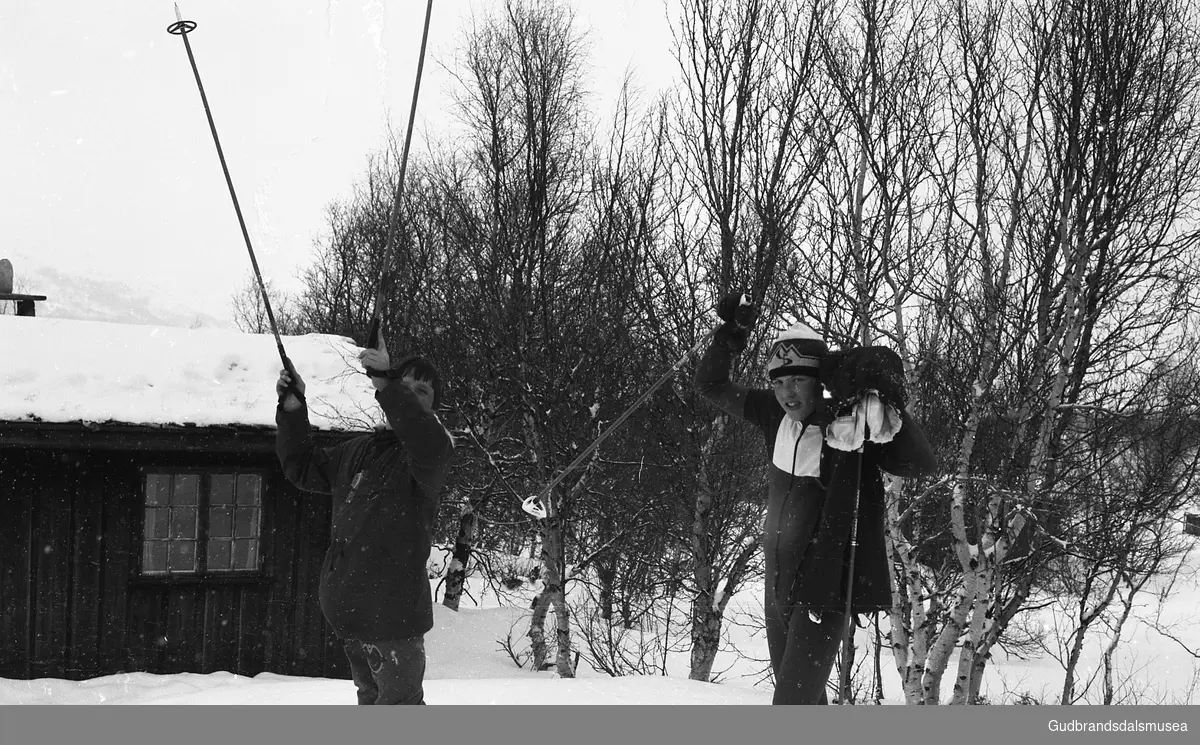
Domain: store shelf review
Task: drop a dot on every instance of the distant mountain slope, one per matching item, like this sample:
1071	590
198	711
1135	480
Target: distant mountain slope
86	298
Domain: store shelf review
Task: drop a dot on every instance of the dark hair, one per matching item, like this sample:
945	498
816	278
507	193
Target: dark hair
421	369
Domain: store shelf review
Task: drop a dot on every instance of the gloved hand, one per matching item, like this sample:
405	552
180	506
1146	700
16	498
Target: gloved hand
287	387
731	336
736	308
739	314
849	373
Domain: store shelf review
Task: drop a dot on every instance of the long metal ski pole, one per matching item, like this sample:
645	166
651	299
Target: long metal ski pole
848	636
373	335
182	28
536	504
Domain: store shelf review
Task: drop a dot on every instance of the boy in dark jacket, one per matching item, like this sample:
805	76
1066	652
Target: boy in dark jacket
385	487
815	468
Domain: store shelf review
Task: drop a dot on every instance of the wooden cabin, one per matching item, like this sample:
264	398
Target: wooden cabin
145	523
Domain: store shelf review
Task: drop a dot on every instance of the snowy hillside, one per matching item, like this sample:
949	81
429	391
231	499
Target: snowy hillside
82	297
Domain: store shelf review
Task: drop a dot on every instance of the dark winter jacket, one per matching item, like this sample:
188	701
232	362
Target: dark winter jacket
806	534
385	487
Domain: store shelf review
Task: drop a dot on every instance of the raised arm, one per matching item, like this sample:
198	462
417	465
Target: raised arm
712	374
306	466
427	442
728	341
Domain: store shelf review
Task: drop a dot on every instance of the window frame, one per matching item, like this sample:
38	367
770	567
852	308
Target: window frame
202	571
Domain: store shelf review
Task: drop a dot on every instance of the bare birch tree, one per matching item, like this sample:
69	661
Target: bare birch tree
250	312
1079	173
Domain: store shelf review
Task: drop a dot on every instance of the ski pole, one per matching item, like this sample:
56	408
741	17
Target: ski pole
182	28
374	334
848	638
536	504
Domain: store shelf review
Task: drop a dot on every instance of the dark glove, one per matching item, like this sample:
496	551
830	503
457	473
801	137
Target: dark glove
849	373
731	336
736	308
290	387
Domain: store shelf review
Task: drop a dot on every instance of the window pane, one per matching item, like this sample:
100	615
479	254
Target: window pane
249	488
181	556
187	488
158	488
220	522
183	522
156	522
219	554
222	488
245	555
154	556
246	522
172	522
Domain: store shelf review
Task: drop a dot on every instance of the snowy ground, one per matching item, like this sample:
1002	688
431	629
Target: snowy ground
467	664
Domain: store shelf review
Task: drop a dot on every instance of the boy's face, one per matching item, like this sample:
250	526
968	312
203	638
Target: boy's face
797	394
423	389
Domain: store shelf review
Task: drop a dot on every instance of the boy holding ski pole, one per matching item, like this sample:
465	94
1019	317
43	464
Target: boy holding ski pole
385	488
825	490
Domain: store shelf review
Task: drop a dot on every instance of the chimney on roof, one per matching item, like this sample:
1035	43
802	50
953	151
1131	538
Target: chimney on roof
25	303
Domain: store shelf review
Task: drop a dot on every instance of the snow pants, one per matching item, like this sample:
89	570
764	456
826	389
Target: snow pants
802	652
388	672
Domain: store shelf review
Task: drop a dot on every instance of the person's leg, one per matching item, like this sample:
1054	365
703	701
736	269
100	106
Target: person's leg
808	657
398	667
776	633
360	671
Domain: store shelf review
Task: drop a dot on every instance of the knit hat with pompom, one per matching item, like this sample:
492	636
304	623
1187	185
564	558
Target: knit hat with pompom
796	351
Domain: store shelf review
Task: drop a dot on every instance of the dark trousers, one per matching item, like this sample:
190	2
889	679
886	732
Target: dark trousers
388	672
802	652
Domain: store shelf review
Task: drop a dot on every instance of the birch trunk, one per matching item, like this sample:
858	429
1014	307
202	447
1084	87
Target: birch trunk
537	631
456	574
967	654
706	627
1079	636
941	650
705	640
706	636
551	597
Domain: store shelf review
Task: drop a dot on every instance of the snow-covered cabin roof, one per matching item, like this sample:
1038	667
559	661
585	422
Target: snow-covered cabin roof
60	370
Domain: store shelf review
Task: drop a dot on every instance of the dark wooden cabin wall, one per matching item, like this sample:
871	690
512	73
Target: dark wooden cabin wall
16	498
285	601
86	497
51	558
74	607
121	520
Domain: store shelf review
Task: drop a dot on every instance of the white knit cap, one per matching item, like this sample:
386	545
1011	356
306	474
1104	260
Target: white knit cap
796	351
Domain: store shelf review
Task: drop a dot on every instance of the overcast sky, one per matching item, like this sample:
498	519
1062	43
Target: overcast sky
107	166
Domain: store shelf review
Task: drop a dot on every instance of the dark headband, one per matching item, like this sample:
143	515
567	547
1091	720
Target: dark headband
805	371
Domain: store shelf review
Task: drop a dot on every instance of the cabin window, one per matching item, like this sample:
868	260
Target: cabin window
201	523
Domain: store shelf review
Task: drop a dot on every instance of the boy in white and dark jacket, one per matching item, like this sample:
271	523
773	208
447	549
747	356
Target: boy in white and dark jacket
811	483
